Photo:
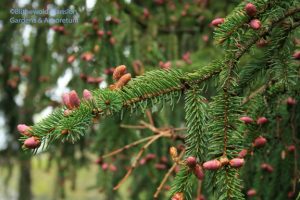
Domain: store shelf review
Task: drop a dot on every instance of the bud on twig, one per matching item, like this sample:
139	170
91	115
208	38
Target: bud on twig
237	162
32	142
212	165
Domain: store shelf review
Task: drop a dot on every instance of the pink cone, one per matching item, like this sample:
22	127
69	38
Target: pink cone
74	99
66	100
198	171
246	119
237	162
212	165
243	153
251	192
259	141
191	161
296	55
250	9
291	101
87	95
261	120
32	143
217	21
255	24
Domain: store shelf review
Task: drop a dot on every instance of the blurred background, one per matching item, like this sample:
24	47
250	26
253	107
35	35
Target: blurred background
40	60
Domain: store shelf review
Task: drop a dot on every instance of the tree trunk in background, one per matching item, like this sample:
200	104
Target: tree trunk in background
25	179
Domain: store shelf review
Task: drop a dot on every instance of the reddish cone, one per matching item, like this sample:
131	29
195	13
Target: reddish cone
66	100
212	165
178	196
217	21
291	101
266	167
255	24
243	153
250	9
198	171
296	55
191	161
24	129
237	162
259	142
251	192
291	148
87	95
32	143
246	119
74	99
261	120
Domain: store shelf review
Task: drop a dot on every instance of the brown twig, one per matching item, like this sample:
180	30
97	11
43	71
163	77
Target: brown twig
135	162
128	146
132	126
158	190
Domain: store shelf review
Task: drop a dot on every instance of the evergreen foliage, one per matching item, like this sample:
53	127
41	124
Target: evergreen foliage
247	81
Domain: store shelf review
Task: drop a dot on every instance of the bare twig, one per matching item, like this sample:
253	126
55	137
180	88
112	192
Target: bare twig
158	190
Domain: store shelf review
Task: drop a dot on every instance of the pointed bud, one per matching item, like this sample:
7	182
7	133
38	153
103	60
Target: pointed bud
24	129
160	166
251	192
266	167
291	148
250	9
87	95
150	156
296	55
212	165
66	100
198	171
173	152
99	161
67	112
259	141
261	120
119	72
112	168
104	166
32	142
201	197
255	24
217	21
243	153
65	132
291	101
246	119
74	99
71	59
237	162
178	196
123	81
191	161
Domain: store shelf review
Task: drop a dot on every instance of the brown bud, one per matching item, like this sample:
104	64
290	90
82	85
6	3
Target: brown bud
173	152
224	160
65	132
119	72
178	196
123	81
